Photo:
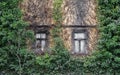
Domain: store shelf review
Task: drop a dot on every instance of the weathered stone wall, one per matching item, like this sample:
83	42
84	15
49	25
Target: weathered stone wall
37	12
92	38
67	38
75	12
79	12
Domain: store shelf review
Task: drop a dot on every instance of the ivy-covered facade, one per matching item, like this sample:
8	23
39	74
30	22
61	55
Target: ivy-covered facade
78	23
59	24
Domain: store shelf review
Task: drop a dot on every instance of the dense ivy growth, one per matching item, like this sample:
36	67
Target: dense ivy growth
60	61
107	59
14	58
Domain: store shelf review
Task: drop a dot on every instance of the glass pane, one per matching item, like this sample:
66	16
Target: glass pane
43	35
38	44
79	36
43	45
37	35
83	47
77	46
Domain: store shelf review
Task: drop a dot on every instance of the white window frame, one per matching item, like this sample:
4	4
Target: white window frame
41	41
81	40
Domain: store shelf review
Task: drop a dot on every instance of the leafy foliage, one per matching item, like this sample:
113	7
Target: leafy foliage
60	61
14	57
107	59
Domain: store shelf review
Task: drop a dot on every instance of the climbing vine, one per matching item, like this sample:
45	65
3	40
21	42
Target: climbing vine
107	59
14	57
57	29
57	17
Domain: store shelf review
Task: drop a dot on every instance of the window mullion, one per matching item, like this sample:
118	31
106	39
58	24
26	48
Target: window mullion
79	45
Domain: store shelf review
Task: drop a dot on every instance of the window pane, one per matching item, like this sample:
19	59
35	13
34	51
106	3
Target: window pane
79	36
77	46
43	36
43	44
83	48
37	35
38	44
